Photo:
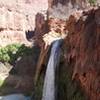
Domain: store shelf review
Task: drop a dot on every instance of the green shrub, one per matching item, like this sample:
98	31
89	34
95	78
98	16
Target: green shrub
10	53
7	52
92	2
1	82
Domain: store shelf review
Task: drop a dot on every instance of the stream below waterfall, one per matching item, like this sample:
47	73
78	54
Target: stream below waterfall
15	97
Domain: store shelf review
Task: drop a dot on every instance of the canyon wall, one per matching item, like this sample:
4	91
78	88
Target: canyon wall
17	17
82	47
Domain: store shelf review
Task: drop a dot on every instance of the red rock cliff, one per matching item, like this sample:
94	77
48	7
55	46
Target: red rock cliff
83	50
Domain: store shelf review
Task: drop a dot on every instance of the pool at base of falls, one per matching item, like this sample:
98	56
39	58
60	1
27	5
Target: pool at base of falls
15	97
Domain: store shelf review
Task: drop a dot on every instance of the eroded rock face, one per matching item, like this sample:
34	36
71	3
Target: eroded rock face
18	16
83	50
80	3
64	8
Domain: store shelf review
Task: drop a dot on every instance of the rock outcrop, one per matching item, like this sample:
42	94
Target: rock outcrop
64	8
78	3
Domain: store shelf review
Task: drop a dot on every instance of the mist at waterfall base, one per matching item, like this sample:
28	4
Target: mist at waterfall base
49	90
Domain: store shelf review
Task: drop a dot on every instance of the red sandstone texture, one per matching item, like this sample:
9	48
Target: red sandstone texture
83	49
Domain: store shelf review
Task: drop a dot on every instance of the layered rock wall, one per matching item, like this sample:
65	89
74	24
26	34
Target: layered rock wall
64	8
18	16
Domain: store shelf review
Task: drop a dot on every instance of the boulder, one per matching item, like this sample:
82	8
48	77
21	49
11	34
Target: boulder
4	69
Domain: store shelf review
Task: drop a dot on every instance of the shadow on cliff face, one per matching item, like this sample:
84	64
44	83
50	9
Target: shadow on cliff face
29	35
41	28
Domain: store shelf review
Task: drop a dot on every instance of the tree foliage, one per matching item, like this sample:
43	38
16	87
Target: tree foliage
10	53
92	2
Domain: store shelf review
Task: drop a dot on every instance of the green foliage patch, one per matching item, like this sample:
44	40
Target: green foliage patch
1	82
92	2
10	53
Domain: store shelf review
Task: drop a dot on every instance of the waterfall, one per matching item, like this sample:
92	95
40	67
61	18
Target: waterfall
49	82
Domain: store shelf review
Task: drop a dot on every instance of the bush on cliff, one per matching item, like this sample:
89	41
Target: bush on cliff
92	2
10	53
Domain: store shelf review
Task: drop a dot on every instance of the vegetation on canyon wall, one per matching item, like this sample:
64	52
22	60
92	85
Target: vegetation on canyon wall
12	52
1	82
92	2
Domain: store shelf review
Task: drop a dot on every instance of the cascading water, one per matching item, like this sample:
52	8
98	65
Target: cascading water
49	82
